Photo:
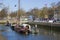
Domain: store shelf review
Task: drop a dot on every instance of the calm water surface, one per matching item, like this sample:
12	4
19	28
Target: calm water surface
42	35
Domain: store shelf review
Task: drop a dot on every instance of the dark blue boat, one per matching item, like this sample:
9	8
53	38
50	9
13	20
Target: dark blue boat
8	24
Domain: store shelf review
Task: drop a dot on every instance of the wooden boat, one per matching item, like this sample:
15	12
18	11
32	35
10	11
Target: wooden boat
24	28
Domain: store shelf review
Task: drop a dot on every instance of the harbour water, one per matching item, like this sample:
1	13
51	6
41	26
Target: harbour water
44	34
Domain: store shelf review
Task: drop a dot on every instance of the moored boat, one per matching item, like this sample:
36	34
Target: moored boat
8	24
24	28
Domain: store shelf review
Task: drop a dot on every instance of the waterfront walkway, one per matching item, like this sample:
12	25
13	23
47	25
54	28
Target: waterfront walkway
45	24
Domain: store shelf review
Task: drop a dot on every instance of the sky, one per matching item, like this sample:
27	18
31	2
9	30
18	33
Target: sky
27	4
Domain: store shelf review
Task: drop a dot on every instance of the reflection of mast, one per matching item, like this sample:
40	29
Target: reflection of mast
18	11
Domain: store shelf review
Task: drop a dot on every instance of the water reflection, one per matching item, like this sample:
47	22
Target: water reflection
42	35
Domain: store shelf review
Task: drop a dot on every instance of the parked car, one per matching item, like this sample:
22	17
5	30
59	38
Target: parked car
37	20
51	21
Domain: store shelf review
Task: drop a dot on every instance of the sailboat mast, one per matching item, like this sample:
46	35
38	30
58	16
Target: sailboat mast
18	12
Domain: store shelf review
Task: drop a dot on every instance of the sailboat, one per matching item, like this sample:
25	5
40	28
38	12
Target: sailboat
21	28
